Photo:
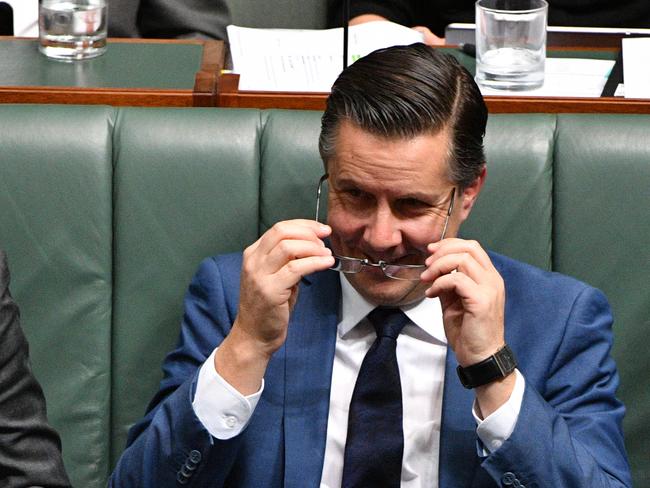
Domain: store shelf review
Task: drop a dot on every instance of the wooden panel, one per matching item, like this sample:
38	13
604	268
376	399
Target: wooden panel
202	94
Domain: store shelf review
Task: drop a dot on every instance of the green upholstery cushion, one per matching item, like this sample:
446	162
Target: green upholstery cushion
186	186
602	236
55	224
514	211
290	166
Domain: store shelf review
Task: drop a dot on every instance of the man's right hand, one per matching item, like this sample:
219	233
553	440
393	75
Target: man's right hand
271	271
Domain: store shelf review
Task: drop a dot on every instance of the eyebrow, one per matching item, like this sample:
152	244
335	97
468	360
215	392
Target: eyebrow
433	198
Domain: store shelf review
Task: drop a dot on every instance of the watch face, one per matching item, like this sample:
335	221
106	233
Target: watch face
505	360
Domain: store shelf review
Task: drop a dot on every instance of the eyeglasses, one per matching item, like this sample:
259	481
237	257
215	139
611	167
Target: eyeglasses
404	272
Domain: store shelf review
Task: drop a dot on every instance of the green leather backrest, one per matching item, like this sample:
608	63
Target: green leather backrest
290	166
602	236
186	187
55	224
513	214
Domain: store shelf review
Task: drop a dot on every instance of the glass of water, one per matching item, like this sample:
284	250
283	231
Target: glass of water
72	29
511	43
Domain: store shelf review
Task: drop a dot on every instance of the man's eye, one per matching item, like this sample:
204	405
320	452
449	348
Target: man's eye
354	193
413	203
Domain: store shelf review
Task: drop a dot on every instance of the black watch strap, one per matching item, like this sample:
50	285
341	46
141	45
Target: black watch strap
497	366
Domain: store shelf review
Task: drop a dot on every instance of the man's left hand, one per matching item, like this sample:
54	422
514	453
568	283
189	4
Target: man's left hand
472	296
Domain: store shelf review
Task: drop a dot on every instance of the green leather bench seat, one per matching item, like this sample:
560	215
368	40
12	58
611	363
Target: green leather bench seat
106	213
55	224
602	236
186	186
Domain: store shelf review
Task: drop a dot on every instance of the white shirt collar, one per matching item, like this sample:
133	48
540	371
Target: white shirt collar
425	314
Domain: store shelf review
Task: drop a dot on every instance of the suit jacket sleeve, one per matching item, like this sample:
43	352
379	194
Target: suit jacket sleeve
569	429
205	19
170	442
30	450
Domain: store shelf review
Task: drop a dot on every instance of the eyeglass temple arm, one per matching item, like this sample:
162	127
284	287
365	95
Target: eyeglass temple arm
451	208
318	191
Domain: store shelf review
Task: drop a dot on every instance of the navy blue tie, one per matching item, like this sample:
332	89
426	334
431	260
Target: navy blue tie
375	440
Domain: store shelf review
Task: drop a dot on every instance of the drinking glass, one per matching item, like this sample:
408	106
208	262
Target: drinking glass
511	43
72	29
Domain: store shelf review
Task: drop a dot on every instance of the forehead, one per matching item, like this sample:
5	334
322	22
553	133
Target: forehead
421	160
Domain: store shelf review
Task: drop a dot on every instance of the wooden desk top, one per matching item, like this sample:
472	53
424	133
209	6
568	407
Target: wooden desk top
228	94
137	72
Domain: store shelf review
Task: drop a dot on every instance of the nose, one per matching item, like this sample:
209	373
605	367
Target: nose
382	231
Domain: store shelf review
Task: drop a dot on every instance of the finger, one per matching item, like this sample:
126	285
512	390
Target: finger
428	37
289	250
462	262
458	283
291	273
457	246
299	229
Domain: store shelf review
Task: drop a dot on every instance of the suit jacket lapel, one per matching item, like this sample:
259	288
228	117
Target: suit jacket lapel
309	350
458	456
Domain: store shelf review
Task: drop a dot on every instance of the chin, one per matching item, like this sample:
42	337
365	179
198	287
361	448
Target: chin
385	291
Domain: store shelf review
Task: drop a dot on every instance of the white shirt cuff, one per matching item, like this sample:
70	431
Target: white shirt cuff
222	410
495	429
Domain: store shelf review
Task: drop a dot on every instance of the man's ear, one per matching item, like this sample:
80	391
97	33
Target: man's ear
470	194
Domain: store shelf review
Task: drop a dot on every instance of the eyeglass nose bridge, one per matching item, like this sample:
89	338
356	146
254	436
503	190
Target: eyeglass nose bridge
349	265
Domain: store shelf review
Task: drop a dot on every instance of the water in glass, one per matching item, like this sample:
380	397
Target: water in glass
72	30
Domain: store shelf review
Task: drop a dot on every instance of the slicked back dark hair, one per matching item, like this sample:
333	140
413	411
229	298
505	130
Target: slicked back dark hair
405	91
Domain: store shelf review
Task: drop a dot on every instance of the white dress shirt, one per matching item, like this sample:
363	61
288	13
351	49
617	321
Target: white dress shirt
421	353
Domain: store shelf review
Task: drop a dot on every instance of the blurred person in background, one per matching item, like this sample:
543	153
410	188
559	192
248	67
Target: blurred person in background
431	17
187	19
161	19
30	450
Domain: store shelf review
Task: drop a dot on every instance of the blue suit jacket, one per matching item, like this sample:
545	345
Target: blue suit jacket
568	433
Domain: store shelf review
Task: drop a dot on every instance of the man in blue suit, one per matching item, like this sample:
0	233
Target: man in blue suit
284	374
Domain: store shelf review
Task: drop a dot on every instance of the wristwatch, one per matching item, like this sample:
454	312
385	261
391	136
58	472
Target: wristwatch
497	366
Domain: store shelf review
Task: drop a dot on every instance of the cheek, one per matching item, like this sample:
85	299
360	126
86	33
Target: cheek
344	226
418	235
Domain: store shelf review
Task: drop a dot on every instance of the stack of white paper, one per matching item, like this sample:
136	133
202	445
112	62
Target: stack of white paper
298	60
636	67
310	60
25	17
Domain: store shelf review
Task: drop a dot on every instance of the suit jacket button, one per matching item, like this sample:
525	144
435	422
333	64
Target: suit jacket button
181	478
195	456
186	470
508	479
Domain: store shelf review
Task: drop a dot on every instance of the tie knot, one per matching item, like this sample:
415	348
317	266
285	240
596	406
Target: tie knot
388	322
